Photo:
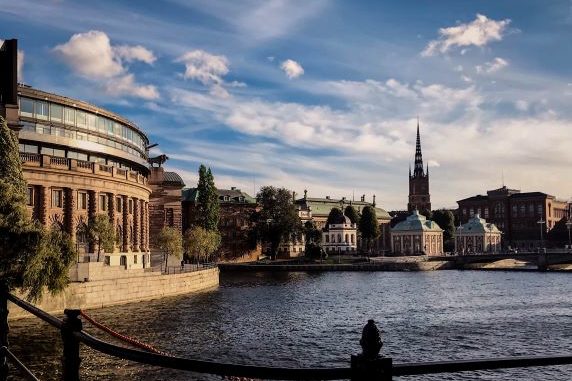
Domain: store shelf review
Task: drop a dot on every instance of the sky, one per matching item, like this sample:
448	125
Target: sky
322	95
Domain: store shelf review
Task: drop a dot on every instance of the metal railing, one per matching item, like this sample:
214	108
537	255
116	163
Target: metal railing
368	365
187	268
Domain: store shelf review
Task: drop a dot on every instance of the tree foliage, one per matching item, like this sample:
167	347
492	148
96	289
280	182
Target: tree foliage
558	235
101	233
368	226
334	217
30	256
446	221
352	214
208	205
170	242
278	220
201	243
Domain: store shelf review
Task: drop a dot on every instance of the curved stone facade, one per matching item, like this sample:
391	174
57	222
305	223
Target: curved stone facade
79	161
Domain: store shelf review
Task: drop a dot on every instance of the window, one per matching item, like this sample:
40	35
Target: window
522	210
29	148
130	206
91	122
42	129
57	198
42	110
47	151
101	124
471	212
27	107
30	196
69	116
327	238
531	210
81	119
464	211
56	113
81	136
103	202
59	153
82	200
118	204
135	259
486	213
539	209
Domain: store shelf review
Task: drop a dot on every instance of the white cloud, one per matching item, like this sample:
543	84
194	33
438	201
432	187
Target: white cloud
521	105
204	67
292	68
492	66
92	56
479	32
135	53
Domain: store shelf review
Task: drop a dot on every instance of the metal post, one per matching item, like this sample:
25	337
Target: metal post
70	358
3	330
370	365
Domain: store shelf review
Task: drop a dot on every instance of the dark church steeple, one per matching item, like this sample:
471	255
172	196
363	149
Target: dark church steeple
419	198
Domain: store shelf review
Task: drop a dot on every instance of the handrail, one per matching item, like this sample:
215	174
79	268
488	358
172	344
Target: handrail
18	363
52	320
212	367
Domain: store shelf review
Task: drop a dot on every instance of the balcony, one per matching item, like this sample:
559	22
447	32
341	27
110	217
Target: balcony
62	163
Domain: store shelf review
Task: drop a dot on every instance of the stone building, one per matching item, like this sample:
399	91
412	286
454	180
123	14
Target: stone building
79	161
340	237
235	224
165	207
516	214
477	236
318	210
416	236
419	197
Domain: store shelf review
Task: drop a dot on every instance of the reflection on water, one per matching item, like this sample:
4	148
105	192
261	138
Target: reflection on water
315	319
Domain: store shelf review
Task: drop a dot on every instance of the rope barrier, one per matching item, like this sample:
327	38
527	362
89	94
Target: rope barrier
127	339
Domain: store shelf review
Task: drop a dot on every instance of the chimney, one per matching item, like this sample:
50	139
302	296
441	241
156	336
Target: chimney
327	197
232	188
374	201
363	198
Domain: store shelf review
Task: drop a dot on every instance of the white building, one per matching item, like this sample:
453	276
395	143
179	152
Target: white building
417	235
340	237
477	236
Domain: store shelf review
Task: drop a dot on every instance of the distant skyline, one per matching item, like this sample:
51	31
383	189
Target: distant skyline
322	95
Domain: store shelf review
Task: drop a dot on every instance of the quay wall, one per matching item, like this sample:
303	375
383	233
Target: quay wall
372	266
108	292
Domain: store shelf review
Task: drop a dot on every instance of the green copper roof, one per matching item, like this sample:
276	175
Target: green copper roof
234	195
476	224
417	222
321	207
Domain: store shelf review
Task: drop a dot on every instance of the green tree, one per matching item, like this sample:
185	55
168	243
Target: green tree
558	235
208	204
334	216
170	242
201	243
352	214
368	226
26	248
102	234
313	237
446	221
278	220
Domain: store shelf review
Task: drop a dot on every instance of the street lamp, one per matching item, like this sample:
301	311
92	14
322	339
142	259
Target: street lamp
569	225
541	222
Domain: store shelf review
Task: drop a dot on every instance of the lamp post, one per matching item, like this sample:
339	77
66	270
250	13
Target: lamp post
540	223
568	226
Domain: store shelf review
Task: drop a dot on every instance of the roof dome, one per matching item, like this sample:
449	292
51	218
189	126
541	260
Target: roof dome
417	222
341	219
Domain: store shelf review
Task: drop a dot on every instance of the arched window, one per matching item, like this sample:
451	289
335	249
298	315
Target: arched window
327	238
353	238
339	238
347	238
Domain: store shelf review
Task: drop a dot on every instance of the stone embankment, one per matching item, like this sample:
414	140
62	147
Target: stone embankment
121	290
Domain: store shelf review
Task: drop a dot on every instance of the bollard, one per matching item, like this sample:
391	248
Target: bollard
70	358
3	330
370	365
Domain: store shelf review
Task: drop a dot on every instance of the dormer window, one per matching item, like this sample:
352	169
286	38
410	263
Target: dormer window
226	198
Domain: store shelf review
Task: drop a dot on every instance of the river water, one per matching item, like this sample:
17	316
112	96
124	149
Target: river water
315	319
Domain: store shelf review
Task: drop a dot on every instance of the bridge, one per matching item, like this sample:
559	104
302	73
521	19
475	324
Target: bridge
543	260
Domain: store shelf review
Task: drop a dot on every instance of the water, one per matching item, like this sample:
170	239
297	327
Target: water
315	319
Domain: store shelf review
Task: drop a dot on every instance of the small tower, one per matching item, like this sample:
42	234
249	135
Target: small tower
419	198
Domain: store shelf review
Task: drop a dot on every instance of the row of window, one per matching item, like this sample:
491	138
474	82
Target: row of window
348	238
517	211
82	200
54	112
44	129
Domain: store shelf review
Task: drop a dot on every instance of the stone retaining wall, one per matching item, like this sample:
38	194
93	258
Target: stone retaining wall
108	292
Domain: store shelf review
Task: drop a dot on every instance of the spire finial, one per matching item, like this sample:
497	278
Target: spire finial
418	168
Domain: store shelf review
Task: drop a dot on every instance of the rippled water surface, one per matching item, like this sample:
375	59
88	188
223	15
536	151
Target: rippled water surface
315	319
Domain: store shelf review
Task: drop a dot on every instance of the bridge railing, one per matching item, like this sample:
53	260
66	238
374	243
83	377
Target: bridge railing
368	365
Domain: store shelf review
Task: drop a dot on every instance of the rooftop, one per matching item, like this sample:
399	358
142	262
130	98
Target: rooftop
417	222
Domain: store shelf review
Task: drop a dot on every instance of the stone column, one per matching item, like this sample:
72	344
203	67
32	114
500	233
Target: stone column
126	231
91	213
146	223
44	209
142	225
111	212
70	211
136	224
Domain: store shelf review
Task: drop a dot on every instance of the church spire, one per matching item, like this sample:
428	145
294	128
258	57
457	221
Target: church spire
418	170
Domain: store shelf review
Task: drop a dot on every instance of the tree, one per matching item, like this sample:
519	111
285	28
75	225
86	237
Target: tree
170	242
558	235
334	216
31	257
446	221
201	243
313	237
208	204
102	234
278	220
368	227
352	214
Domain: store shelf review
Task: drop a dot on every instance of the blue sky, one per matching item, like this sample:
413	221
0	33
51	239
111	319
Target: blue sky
322	95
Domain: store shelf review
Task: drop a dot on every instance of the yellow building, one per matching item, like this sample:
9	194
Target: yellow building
417	236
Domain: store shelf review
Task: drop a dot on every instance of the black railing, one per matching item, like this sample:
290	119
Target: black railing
368	365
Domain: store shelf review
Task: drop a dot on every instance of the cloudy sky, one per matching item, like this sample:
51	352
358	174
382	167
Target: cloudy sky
322	95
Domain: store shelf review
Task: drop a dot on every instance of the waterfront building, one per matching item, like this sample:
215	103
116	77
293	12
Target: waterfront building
416	236
165	208
419	197
517	214
235	223
293	248
318	210
477	236
340	236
